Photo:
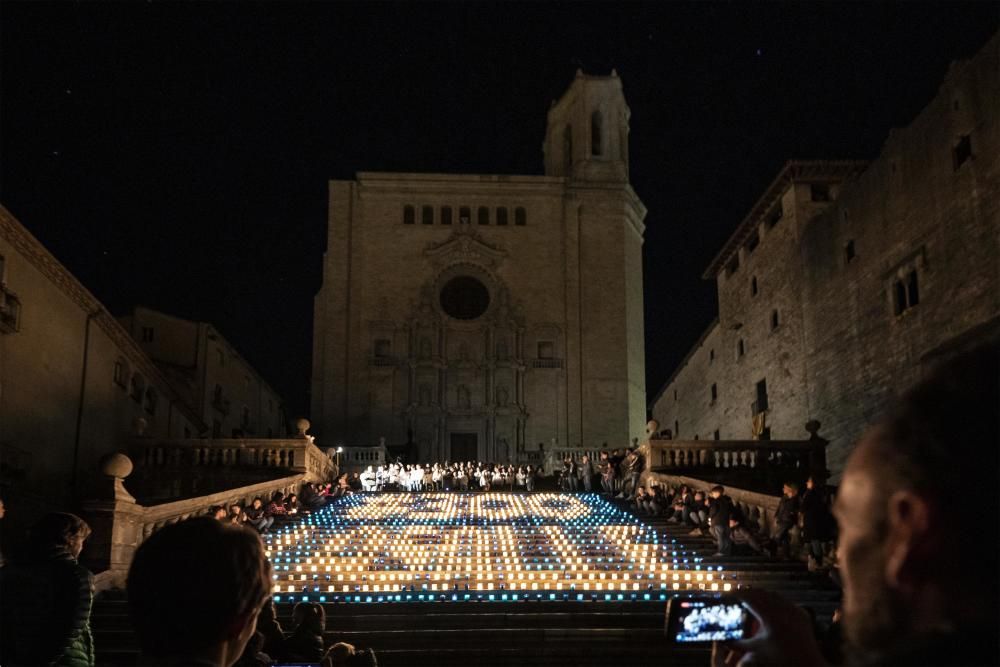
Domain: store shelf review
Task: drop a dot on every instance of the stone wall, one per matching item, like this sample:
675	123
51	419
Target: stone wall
73	384
915	210
831	270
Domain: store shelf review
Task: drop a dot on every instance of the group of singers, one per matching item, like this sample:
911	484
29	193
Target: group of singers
458	476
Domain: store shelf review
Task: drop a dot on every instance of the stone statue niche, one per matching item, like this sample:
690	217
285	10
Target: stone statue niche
502	351
503	396
463	397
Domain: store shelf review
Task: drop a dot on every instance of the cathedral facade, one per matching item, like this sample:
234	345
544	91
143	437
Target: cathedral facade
484	316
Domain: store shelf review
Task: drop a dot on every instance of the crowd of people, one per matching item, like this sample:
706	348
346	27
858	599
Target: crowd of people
448	476
914	592
713	513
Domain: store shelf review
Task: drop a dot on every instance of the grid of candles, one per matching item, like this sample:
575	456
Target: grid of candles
402	547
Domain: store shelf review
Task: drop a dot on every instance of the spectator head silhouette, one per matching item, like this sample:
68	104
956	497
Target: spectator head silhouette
917	509
59	531
195	589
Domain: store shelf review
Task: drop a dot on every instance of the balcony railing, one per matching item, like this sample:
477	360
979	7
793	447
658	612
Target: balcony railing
382	362
547	363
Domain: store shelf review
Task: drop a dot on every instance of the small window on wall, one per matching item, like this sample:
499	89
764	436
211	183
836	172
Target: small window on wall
715	435
520	216
819	192
733	265
753	286
446	215
777	214
121	374
383	348
484	215
906	292
501	215
715	392
677	429
546	350
427	215
596	133
962	151
775	320
711	355
147	334
151	401
849	252
409	215
464	215
740	348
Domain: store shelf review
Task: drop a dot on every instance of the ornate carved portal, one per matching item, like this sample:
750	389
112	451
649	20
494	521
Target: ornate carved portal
464	356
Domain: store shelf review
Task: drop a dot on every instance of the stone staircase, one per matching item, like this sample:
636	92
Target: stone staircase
532	632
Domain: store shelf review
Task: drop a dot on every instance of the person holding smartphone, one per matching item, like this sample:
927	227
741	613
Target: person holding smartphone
917	512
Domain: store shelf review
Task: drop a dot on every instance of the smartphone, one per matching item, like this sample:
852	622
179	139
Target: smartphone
707	618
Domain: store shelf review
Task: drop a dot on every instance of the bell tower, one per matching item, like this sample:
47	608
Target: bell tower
587	134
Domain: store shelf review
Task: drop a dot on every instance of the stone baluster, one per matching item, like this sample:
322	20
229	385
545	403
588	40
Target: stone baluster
116	521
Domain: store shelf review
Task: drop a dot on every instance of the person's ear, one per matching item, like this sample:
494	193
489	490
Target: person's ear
908	544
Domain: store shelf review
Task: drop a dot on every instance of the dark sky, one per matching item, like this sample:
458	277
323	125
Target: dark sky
176	155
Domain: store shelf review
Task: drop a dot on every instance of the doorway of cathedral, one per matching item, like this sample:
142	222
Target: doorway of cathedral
464	447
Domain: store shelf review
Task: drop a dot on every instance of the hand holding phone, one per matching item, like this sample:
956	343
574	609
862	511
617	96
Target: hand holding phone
707	618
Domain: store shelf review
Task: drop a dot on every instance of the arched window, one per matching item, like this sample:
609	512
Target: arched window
464	215
520	217
568	150
501	215
427	215
484	215
446	215
596	134
409	215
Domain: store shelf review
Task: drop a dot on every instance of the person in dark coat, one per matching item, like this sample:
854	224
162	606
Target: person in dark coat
817	521
45	602
720	511
305	644
787	514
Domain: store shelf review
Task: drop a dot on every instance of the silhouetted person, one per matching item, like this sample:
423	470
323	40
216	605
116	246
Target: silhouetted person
195	589
45	602
917	512
305	644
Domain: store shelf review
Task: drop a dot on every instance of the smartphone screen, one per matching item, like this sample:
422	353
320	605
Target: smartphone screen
704	619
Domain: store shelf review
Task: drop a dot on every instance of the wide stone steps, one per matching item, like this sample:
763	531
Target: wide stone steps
524	633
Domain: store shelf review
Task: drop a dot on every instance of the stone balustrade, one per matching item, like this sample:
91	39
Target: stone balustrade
295	454
120	524
763	464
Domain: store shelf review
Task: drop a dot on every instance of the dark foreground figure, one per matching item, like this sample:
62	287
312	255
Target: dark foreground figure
918	515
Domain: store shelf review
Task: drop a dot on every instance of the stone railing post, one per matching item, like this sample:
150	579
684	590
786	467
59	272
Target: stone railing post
116	521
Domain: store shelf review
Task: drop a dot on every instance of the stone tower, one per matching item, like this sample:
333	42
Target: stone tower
477	316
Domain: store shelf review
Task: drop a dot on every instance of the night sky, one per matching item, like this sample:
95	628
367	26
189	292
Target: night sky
177	156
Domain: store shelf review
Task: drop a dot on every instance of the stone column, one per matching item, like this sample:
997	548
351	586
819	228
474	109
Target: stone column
116	521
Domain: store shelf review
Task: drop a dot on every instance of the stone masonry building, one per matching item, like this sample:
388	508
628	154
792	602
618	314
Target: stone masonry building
477	316
74	386
212	376
846	282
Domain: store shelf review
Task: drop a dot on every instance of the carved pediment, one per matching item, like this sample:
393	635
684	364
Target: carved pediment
465	244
